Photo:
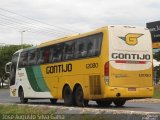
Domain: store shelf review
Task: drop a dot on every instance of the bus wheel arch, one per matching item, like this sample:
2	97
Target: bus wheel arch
78	96
21	95
67	95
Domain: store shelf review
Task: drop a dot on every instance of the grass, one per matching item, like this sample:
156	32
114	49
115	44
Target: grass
21	112
156	92
24	112
18	109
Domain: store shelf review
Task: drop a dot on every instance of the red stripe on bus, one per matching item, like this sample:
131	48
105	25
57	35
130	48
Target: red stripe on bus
130	62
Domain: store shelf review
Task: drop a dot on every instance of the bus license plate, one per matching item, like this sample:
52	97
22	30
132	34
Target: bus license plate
131	89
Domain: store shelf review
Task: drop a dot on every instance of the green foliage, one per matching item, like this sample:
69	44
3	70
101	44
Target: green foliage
156	56
6	53
16	109
156	92
40	112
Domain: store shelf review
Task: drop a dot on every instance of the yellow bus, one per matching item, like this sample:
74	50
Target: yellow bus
110	64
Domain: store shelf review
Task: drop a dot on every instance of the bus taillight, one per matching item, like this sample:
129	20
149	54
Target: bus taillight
106	72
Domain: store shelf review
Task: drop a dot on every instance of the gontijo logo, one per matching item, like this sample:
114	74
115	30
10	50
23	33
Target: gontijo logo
131	38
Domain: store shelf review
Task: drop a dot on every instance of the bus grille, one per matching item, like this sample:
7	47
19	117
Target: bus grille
95	84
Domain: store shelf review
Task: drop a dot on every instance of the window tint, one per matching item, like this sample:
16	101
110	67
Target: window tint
56	52
94	45
23	59
88	46
46	54
68	50
40	58
13	68
81	48
15	59
32	58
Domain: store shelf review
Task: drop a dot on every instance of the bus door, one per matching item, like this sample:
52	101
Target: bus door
130	57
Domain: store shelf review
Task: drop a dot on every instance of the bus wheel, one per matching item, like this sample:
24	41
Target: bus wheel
104	103
119	102
21	96
67	95
79	97
53	100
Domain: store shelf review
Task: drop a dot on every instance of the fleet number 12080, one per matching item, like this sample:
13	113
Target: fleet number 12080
91	65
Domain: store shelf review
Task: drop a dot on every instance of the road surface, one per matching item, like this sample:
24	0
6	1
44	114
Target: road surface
129	106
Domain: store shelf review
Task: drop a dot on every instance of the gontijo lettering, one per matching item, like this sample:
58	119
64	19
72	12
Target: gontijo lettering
59	68
131	56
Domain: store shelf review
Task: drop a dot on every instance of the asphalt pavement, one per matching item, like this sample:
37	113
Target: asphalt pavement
129	106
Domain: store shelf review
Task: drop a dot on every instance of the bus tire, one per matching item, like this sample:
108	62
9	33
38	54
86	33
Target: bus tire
53	101
104	103
79	97
119	102
67	95
21	96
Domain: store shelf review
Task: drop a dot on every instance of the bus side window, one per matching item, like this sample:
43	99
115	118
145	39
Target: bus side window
68	52
46	55
51	54
32	57
40	58
90	51
93	45
97	44
80	48
23	59
57	51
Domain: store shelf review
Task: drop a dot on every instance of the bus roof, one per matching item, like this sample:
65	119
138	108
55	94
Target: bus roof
70	37
74	36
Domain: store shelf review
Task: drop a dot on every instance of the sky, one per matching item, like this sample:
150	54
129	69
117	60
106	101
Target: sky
74	16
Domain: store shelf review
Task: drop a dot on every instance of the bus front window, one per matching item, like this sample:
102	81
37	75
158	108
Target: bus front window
13	69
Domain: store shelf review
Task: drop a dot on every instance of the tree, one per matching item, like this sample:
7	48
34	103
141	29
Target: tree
6	53
156	56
